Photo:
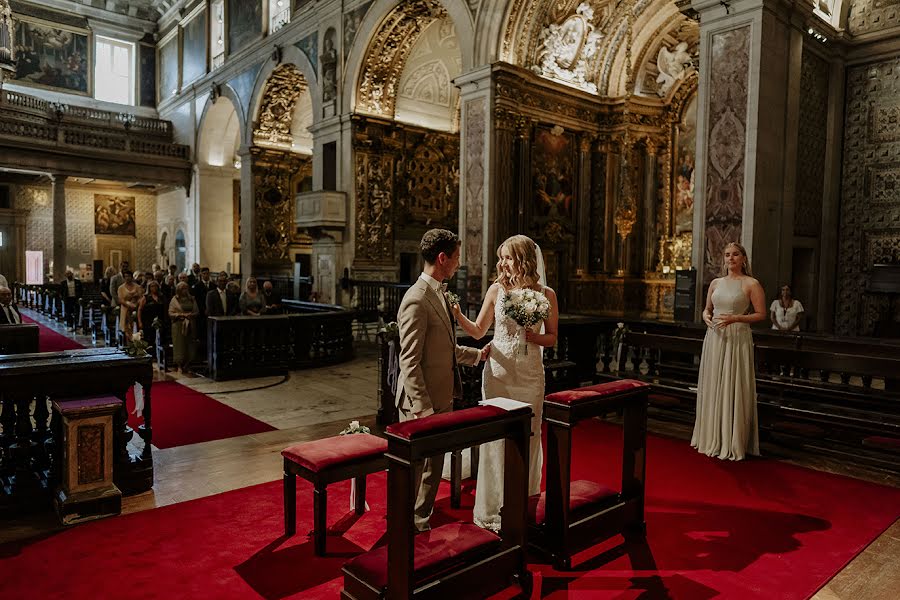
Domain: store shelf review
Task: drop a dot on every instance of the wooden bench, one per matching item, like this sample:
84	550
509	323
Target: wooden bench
572	516
817	401
326	461
459	560
19	339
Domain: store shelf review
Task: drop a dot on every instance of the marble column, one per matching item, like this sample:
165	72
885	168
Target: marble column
477	218
248	214
747	135
60	236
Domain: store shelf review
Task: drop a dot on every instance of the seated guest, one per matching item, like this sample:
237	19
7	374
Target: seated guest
219	302
786	312
9	313
71	291
251	301
272	298
152	306
183	313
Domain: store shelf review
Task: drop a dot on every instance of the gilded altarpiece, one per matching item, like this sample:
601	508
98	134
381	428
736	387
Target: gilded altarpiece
870	210
275	174
407	181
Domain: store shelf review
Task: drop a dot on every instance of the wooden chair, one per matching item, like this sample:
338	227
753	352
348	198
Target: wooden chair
458	560
572	516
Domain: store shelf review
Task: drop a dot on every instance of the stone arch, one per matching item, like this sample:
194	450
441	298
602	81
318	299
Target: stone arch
219	91
396	15
290	55
219	122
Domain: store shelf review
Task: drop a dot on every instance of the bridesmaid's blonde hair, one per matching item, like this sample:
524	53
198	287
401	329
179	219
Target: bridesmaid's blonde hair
745	268
524	269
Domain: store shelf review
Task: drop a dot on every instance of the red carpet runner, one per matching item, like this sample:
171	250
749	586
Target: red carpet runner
756	529
51	341
184	416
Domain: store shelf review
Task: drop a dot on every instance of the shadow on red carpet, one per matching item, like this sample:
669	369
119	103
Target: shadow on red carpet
183	416
754	529
51	341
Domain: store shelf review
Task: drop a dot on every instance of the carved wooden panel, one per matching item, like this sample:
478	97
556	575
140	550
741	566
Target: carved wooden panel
811	149
870	212
273	175
374	207
91	453
729	76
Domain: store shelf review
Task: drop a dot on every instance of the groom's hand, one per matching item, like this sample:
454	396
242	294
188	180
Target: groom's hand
485	352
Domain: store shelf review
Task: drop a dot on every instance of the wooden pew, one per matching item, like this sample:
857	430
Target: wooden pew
19	339
840	418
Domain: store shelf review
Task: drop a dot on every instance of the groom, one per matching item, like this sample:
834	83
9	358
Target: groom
429	376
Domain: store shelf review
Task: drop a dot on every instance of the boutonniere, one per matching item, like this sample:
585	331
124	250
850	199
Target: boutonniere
451	298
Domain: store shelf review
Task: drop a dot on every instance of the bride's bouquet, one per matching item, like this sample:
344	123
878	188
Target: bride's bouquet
526	307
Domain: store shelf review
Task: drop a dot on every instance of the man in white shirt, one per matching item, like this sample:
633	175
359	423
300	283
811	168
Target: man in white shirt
9	314
71	291
219	303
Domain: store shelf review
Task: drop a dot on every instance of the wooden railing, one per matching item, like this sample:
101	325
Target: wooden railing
311	335
375	299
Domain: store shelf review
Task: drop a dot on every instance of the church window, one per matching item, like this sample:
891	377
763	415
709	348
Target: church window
217	34
279	14
114	71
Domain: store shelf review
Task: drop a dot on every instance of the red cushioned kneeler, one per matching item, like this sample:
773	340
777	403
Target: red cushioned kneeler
458	560
326	461
580	514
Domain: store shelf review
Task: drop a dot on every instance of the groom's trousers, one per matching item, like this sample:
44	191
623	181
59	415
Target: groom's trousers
428	478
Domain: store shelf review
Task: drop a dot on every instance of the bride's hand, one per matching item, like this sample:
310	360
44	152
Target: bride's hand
531	336
457	312
485	352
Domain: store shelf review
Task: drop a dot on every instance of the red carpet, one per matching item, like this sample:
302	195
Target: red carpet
184	416
51	341
756	529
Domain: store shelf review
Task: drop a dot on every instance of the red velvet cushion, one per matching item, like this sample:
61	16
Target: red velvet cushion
436	551
337	450
581	494
446	421
595	391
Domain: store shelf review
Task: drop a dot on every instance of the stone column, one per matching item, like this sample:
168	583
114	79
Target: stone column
746	134
648	220
60	239
583	206
476	212
248	214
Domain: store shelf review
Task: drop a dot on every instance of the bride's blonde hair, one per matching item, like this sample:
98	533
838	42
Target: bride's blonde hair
524	268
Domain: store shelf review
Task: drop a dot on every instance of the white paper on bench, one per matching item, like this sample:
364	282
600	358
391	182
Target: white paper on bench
505	403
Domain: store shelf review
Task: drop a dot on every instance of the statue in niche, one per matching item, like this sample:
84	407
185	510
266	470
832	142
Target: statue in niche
673	66
329	67
568	49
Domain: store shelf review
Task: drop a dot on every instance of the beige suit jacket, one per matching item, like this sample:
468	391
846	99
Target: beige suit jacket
429	377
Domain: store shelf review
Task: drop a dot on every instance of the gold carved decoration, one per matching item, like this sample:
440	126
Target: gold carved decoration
276	112
274	173
388	52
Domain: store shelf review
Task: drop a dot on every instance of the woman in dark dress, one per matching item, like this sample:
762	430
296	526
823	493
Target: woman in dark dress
152	306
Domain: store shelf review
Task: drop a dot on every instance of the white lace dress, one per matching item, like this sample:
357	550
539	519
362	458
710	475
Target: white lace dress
509	373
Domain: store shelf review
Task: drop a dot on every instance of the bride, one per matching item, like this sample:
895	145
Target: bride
511	371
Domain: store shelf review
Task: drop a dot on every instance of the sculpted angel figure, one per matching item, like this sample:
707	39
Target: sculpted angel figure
672	66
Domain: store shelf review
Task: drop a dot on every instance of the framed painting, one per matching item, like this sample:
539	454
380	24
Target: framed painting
193	46
683	169
114	215
147	83
245	23
167	66
53	56
553	172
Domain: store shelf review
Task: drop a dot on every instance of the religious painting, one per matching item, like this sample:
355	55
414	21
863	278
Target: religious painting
147	85
553	172
193	47
167	63
683	171
245	23
352	23
53	56
329	67
114	215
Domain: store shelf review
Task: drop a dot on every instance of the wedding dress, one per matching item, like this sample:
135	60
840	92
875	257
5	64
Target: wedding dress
509	373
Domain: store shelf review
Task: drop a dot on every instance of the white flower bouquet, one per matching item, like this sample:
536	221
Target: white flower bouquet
355	427
137	347
526	307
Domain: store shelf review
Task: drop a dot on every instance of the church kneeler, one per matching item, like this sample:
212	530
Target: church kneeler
459	560
580	514
325	461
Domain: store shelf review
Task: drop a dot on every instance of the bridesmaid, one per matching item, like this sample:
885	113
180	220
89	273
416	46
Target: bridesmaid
726	424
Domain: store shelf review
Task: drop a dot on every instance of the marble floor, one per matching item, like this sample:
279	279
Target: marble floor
320	402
